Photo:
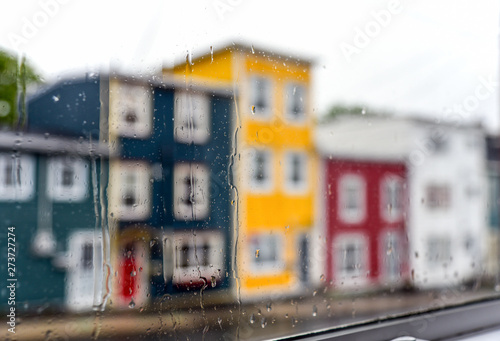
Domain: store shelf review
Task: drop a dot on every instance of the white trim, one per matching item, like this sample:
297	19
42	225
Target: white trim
267	171
262	247
387	248
361	265
357	214
185	175
269	93
389	212
130	179
191	117
21	185
76	190
291	90
302	186
134	102
197	265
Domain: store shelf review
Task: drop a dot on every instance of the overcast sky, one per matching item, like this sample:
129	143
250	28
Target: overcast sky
431	57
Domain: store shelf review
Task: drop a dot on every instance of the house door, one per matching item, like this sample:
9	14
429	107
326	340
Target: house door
84	273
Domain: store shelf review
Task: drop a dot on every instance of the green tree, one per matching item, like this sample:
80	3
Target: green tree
338	110
15	76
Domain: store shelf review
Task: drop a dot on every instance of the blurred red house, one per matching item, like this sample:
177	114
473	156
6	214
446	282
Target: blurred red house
365	223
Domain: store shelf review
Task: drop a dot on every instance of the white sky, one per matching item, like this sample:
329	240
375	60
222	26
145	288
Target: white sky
428	59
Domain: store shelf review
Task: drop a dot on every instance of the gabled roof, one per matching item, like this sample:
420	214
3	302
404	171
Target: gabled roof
248	49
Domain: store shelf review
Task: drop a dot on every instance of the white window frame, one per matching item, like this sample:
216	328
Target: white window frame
22	189
391	245
292	187
78	190
200	175
357	215
255	186
260	245
191	109
292	91
389	212
444	198
438	251
138	100
122	172
268	109
360	274
195	269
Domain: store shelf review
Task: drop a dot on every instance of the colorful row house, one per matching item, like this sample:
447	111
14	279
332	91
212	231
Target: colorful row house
405	200
48	202
365	222
168	213
493	167
275	167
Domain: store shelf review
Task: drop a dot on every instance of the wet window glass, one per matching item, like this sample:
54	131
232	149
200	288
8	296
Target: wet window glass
245	170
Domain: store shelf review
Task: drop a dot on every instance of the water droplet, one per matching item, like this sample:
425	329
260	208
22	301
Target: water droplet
322	277
56	98
257	253
252	319
315	311
363	111
251	47
263	322
213	281
269	306
211	54
131	304
253	109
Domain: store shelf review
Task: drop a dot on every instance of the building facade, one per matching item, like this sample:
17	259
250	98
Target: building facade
275	163
48	202
168	212
446	184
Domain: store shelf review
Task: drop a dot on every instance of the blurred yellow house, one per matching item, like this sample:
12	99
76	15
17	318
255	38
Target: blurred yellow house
275	165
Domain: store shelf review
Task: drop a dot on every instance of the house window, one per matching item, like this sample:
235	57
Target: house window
437	141
351	257
191	191
87	255
130	189
438	196
191	118
260	96
352	198
296	172
295	98
17	174
260	170
198	255
67	179
438	251
266	252
132	107
391	253
392	198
